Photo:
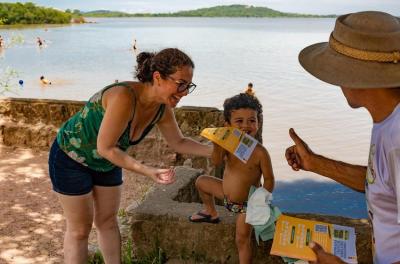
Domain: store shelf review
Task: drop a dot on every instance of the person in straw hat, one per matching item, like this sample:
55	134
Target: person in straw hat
363	58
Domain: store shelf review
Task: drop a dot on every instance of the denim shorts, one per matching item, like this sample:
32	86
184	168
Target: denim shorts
72	178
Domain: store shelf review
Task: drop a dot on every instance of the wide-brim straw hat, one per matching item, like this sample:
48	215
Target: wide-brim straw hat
363	52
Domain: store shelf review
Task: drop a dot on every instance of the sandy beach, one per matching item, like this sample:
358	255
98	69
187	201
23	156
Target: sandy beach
31	220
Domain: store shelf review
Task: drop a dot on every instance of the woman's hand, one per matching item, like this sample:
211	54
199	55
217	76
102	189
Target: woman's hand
162	176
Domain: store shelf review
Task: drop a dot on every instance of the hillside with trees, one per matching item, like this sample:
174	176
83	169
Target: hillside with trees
217	11
29	13
107	13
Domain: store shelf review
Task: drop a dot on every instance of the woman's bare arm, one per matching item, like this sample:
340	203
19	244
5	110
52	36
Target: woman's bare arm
173	135
118	113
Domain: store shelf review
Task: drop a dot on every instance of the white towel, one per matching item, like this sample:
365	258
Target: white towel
258	207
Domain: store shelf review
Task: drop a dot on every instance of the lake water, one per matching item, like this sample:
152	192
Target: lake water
228	53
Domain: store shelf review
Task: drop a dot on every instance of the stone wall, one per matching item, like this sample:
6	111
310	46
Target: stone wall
33	123
161	221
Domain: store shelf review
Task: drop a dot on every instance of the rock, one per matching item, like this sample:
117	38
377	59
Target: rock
161	221
188	163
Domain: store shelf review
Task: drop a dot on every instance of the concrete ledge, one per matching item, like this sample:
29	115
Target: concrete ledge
21	134
161	220
27	112
33	111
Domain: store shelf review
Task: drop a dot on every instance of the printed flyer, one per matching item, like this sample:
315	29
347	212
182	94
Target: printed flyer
233	140
293	235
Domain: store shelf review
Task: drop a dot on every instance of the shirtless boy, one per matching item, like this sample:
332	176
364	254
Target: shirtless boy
242	111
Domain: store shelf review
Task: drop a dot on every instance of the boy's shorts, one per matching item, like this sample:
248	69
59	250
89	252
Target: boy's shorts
235	207
72	178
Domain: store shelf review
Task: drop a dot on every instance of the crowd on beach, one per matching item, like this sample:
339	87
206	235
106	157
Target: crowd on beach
86	159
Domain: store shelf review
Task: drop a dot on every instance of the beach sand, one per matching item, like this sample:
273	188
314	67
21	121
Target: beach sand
31	220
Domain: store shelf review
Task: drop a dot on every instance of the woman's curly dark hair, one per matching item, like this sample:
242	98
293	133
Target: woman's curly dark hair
166	62
242	100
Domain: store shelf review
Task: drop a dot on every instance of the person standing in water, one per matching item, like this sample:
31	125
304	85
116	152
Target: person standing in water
39	41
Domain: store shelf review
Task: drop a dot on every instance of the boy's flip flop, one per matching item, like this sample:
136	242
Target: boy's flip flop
205	218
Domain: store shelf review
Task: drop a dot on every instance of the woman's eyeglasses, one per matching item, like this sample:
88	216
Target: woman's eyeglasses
183	86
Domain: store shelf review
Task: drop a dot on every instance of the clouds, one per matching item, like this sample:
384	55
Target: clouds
336	6
298	6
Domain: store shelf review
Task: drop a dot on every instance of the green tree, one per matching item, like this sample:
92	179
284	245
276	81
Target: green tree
8	79
76	12
29	13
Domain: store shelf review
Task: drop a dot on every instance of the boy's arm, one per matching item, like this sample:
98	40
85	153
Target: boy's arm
266	169
218	155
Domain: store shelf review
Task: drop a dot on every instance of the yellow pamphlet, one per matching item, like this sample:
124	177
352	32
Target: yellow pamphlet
233	140
293	235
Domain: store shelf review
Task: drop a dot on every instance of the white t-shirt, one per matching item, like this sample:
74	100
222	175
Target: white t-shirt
383	188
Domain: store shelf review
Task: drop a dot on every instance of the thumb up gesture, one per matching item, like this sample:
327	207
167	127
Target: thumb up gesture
299	156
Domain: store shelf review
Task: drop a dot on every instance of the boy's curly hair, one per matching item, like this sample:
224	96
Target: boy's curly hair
242	100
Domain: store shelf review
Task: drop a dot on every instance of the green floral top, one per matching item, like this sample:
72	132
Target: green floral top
78	136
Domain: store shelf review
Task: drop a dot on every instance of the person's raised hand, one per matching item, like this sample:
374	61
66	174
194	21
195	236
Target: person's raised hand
298	155
324	257
163	176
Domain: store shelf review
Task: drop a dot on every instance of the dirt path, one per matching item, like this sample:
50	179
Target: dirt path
31	220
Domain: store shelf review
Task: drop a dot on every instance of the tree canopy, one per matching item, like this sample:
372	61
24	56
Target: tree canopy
29	13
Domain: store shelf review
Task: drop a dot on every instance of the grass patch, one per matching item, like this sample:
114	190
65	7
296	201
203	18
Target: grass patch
122	212
157	256
186	255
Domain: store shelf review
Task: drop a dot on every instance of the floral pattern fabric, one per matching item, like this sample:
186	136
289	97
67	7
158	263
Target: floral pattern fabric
235	207
78	136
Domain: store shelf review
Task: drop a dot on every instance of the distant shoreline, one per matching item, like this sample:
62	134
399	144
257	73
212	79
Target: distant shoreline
105	17
216	11
173	16
30	14
93	21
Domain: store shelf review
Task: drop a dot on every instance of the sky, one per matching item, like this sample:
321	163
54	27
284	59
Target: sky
322	7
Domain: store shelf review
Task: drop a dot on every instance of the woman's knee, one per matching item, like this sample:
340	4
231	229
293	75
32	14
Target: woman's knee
103	222
79	232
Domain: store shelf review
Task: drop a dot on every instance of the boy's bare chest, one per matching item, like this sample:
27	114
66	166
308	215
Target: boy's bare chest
251	167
